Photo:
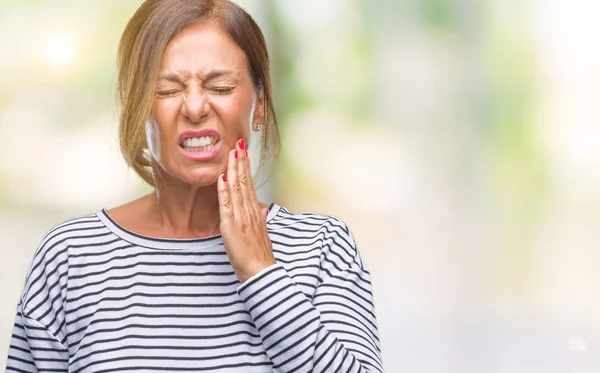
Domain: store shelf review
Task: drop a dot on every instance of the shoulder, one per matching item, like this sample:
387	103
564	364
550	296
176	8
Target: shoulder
283	218
333	233
73	228
49	264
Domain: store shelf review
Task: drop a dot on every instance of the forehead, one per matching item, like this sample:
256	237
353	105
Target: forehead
200	48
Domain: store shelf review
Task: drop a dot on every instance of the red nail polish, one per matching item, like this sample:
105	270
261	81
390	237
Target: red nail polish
242	144
224	177
236	155
246	154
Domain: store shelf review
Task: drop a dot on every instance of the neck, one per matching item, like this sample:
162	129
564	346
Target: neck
186	211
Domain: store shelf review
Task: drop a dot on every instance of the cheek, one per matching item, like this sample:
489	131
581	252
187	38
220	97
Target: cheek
166	111
153	136
161	130
235	113
165	114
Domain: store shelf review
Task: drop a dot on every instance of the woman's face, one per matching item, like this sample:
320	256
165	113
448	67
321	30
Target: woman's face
205	102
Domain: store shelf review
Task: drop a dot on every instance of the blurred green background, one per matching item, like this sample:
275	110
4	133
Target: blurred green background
459	139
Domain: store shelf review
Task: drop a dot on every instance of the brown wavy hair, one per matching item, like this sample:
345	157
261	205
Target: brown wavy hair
140	52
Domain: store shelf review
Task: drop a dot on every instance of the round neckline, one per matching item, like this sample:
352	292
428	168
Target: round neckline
166	243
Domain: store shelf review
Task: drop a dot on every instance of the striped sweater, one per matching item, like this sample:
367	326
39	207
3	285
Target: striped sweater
99	298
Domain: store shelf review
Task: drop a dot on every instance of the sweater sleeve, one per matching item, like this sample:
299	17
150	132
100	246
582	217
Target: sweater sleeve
335	331
33	348
39	339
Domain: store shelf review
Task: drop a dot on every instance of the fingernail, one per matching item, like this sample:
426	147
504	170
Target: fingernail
266	212
224	177
246	154
242	144
236	155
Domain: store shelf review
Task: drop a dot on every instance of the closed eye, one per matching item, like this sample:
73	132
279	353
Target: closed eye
166	93
222	89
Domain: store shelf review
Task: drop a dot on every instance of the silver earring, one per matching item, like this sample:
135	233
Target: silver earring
259	127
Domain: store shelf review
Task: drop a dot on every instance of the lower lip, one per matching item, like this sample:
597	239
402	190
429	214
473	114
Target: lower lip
203	155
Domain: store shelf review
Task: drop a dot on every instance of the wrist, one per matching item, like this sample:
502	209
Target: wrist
254	269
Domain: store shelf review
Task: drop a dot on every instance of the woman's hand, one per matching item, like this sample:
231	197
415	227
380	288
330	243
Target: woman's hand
243	220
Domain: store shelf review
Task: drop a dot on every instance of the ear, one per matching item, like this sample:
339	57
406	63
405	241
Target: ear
259	112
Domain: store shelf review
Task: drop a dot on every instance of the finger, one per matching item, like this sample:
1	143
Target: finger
245	179
233	184
225	204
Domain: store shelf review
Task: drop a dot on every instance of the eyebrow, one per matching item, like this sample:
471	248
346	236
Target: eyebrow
217	74
209	76
171	78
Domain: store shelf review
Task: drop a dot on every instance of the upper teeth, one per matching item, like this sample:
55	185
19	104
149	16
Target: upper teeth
194	142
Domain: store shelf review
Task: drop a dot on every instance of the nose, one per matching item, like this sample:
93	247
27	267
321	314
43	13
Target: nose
195	106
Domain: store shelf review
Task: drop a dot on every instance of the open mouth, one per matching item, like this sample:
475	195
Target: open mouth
199	144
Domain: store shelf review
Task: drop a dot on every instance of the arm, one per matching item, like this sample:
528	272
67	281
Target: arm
38	342
33	348
336	332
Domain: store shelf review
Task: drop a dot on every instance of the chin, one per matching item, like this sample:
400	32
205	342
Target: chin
199	176
202	177
201	182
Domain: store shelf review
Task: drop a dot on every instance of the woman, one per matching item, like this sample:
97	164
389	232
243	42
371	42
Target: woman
198	275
